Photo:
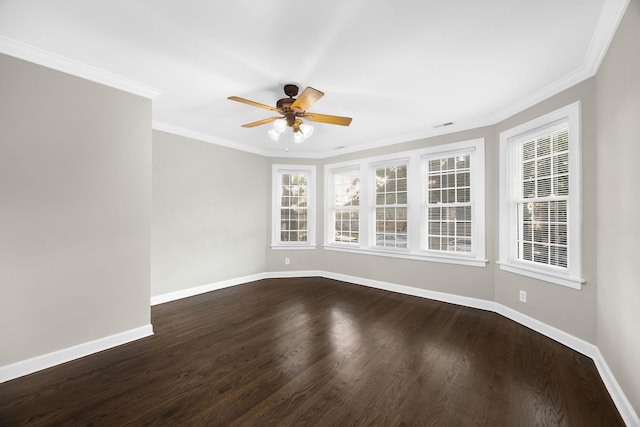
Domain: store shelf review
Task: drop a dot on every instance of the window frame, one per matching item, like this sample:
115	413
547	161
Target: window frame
510	195
278	170
374	206
330	196
416	221
476	200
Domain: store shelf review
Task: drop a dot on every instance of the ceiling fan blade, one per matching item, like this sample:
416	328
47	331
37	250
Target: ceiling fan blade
261	122
324	118
255	104
306	99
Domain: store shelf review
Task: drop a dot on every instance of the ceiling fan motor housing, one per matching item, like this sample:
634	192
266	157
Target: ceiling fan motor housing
291	90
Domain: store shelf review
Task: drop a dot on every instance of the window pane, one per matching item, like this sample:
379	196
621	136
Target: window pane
464	195
543	167
402	198
391	199
542	227
561	141
544	187
434	214
543	146
528	170
528	150
561	185
293	203
529	189
449	225
463	179
561	164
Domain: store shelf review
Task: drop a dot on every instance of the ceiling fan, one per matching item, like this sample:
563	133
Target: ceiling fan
293	110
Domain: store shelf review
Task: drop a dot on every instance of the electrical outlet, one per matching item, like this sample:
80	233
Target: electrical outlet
287	261
523	296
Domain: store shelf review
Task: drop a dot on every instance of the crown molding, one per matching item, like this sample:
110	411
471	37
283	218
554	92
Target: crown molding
57	62
610	17
606	27
204	137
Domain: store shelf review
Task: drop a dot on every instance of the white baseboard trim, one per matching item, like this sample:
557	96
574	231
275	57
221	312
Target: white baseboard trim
304	273
571	341
38	363
627	412
410	290
197	290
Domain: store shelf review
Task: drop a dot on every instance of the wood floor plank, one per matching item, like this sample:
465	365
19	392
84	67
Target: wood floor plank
312	351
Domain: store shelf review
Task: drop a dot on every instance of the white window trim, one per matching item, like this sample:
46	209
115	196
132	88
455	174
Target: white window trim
415	201
385	162
572	276
476	163
329	202
276	172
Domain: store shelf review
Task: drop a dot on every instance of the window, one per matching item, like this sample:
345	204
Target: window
425	204
391	206
540	203
448	207
345	202
293	206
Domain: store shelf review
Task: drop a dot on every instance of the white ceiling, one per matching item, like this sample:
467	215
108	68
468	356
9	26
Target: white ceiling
400	68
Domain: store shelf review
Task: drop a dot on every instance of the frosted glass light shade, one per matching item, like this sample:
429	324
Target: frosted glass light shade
306	129
274	134
280	125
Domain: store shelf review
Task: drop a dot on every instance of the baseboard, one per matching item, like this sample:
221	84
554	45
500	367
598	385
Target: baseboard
571	341
38	363
410	290
197	290
302	273
627	412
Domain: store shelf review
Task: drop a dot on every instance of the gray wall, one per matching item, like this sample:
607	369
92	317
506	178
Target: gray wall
618	225
570	310
75	202
466	281
209	219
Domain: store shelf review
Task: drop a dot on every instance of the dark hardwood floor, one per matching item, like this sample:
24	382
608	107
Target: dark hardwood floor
318	352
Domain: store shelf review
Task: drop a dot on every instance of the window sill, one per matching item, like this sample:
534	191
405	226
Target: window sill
405	254
545	275
292	247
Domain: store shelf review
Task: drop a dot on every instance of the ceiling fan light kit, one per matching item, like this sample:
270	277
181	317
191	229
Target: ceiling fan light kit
292	111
